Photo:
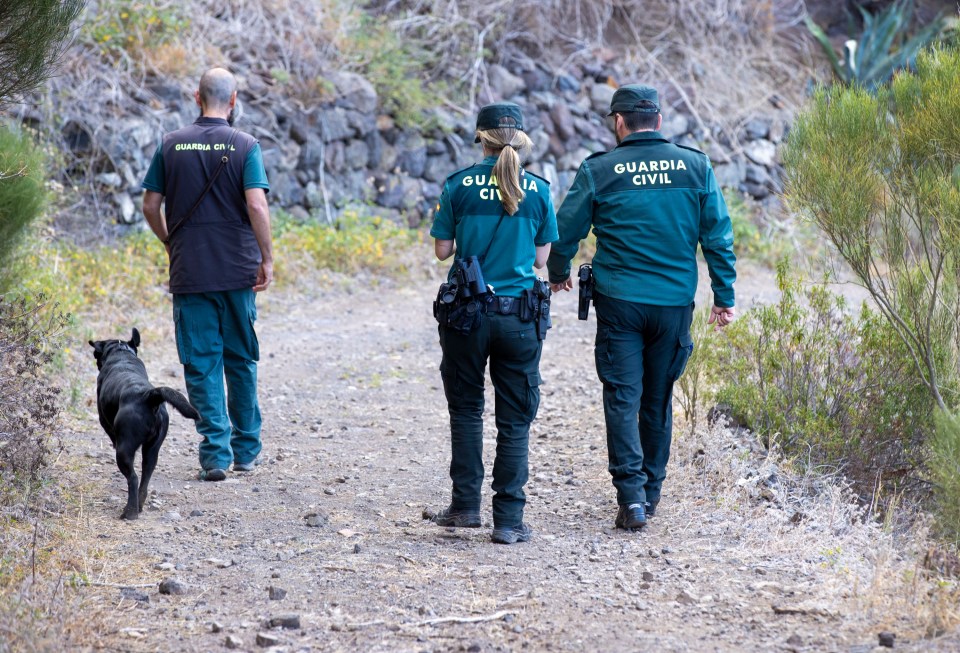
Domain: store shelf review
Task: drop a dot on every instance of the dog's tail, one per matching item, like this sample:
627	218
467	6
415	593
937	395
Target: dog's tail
157	396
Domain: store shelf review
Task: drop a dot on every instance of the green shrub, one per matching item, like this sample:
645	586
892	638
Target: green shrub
353	242
120	26
22	196
395	68
696	387
875	172
945	473
826	386
128	273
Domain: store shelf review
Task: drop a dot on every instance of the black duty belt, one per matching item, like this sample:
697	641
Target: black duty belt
504	305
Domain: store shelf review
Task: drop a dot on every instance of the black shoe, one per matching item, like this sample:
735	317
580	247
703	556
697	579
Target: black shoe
212	475
457	518
511	534
631	517
650	507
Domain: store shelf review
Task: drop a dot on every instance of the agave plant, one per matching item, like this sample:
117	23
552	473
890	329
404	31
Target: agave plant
883	47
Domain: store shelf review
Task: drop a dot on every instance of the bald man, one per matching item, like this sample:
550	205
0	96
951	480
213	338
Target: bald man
208	178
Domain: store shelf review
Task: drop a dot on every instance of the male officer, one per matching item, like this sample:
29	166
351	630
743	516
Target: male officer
650	203
217	233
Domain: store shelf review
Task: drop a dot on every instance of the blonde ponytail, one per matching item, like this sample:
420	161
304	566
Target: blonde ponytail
509	142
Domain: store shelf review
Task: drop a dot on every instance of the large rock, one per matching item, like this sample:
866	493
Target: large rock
730	175
412	157
354	91
437	168
334	125
761	152
356	155
562	120
600	96
503	83
675	126
361	123
398	192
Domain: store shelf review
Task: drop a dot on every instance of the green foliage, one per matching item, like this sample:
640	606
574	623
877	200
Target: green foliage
746	235
824	385
130	25
29	403
876	174
353	242
33	35
695	388
133	271
945	473
395	68
22	196
130	273
883	47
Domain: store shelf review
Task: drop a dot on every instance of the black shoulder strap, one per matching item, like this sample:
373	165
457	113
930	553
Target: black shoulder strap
483	256
206	189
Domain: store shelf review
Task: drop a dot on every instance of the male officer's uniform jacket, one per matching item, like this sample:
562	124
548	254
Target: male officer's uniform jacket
650	203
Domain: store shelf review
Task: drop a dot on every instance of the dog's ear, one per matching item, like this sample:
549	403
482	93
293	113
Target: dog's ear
97	350
135	340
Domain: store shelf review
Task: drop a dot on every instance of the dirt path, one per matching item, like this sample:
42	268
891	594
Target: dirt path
741	557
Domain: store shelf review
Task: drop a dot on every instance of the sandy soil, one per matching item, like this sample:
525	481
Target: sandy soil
324	547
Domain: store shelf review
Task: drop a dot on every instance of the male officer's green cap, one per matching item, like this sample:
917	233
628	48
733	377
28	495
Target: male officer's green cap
626	98
499	115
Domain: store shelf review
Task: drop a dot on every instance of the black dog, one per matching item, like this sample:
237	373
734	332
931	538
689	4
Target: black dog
132	412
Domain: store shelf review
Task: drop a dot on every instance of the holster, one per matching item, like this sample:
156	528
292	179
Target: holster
535	307
452	311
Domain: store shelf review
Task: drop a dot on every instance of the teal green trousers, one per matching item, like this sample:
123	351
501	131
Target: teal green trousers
513	350
216	342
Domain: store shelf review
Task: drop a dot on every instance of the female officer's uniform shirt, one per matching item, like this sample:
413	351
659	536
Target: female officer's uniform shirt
469	211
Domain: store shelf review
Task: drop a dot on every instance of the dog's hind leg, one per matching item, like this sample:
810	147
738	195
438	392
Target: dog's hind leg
151	451
125	463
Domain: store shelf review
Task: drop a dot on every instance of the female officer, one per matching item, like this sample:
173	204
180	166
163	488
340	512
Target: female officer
502	214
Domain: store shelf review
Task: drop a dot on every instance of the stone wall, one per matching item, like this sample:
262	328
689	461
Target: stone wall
323	158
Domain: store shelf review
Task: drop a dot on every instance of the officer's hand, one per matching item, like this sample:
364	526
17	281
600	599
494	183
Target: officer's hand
264	276
722	316
566	285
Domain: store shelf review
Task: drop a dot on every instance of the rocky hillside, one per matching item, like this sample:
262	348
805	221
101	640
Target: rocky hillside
373	103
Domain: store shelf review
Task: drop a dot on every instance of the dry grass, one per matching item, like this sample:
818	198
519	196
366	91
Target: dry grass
862	564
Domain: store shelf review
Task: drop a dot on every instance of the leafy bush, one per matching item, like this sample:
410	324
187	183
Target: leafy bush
130	272
696	388
395	68
945	472
22	196
352	243
29	404
826	386
876	173
121	26
883	47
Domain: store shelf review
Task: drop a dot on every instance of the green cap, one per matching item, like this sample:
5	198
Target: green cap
498	116
626	98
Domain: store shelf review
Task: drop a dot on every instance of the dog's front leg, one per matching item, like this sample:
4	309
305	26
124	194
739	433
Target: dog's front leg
125	463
